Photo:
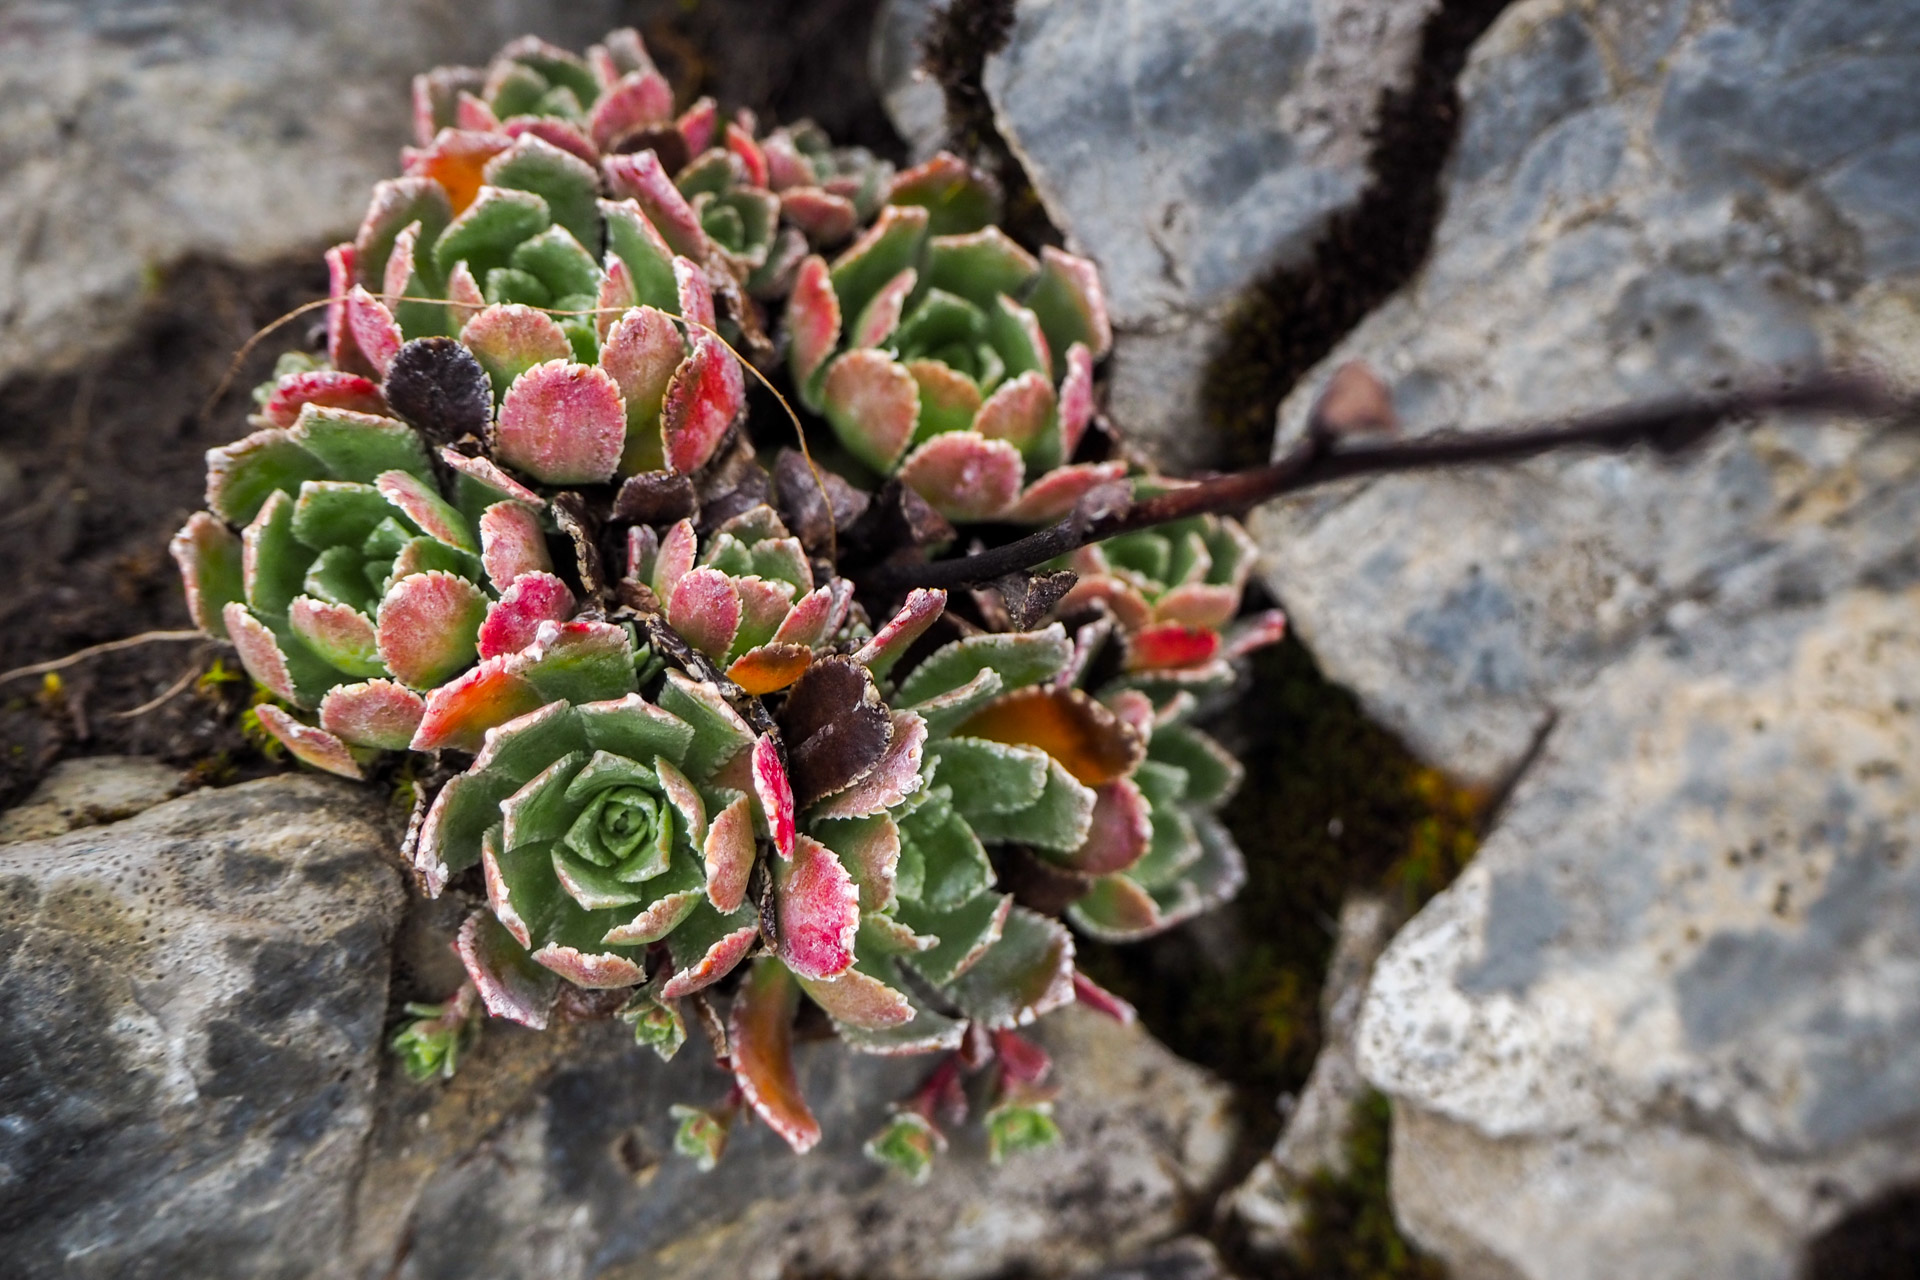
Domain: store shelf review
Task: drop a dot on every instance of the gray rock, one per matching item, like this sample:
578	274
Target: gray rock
1187	148
192	1003
1270	1206
134	135
1668	1023
192	1081
1623	220
87	792
577	1180
1185	1258
913	100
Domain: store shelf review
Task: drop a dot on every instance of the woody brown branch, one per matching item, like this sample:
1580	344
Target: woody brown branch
1668	425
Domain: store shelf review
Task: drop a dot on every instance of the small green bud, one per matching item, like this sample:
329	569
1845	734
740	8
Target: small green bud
658	1026
432	1043
907	1144
1020	1124
702	1136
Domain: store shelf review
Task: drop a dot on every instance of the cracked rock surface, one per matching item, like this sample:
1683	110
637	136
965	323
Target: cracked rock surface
1666	1025
1187	148
193	1083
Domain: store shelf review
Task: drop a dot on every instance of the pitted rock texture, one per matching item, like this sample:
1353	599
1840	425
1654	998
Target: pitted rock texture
192	1003
193	1082
134	135
87	792
1187	148
1678	1034
577	1178
1666	1026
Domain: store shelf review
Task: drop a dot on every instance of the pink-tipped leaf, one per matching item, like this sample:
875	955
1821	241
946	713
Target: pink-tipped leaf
874	404
428	625
374	713
965	476
774	791
316	747
562	423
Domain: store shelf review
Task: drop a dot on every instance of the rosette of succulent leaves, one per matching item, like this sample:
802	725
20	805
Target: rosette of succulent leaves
944	353
513	523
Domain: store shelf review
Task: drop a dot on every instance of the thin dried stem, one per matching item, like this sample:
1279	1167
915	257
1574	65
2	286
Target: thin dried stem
92	651
1667	425
173	691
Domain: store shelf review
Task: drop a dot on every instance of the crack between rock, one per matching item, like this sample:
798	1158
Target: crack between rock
1286	322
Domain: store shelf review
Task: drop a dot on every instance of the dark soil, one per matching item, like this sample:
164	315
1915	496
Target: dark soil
110	463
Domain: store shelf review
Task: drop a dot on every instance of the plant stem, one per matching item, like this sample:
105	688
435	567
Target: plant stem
1668	425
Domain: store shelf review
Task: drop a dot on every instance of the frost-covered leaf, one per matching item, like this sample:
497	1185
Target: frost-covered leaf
339	634
513	621
316	747
774	790
873	403
513	545
374	713
890	643
1018	660
959	198
510	339
1071	304
329	388
642	352
638	176
813	324
761	1033
893	779
702	399
859	999
562	423
1029	972
818	908
640	100
704	608
510	984
208	554
459	713
428	625
965	476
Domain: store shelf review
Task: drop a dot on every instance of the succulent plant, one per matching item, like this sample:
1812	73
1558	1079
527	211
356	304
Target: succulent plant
354	586
747	599
594	359
712	789
941	351
1175	592
614	99
719	194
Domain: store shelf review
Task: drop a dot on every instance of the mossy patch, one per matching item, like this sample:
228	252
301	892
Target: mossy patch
1350	1233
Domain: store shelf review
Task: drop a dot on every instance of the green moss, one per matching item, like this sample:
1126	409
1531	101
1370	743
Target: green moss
1332	803
1350	1233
